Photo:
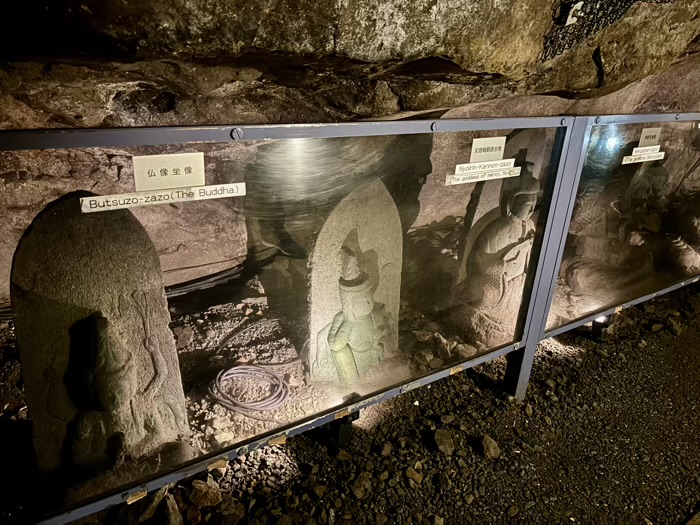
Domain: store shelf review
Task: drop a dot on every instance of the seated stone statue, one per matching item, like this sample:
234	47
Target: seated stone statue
357	338
497	267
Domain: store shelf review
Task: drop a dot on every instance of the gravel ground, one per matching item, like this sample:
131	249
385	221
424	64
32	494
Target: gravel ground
609	433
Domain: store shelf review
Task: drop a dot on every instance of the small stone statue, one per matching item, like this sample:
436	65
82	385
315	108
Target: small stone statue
497	267
359	335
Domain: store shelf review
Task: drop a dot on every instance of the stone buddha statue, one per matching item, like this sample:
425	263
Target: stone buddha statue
359	335
496	267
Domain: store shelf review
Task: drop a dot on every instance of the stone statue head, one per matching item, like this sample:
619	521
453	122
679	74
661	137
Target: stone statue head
522	202
356	293
523	206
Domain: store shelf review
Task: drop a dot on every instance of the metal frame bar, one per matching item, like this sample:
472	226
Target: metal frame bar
86	138
115	137
615	309
586	124
564	210
520	362
641	119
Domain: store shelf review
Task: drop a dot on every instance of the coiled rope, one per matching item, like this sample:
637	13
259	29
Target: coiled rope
247	374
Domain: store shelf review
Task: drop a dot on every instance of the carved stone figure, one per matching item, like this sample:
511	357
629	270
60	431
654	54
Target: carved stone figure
645	198
355	286
496	267
355	341
664	225
612	235
99	361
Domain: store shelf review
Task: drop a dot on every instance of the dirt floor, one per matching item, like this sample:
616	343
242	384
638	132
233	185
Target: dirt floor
609	433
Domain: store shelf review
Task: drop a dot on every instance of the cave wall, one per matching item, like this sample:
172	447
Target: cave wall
171	62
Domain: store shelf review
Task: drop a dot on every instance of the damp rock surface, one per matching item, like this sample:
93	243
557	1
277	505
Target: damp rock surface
207	79
465	39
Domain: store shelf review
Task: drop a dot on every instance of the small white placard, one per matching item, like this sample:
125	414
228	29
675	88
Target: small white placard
634	159
646	149
488	165
453	180
489	148
650	137
151	198
160	172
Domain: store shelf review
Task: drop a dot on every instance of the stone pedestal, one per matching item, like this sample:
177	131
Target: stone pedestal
99	361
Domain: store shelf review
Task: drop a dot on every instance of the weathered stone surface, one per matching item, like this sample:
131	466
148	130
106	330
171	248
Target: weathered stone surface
230	512
204	494
360	60
465	351
490	448
503	40
485	209
635	232
170	514
413	475
281	231
154	501
362	485
496	262
153	93
664	91
449	149
444	442
192	239
183	336
365	224
98	359
366	30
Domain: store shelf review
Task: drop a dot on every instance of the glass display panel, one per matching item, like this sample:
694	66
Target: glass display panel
142	331
635	227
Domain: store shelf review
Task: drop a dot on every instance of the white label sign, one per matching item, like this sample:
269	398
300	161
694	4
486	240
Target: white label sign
646	149
650	137
484	166
489	148
150	198
453	180
634	159
160	172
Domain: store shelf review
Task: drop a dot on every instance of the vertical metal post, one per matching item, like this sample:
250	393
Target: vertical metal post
556	229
